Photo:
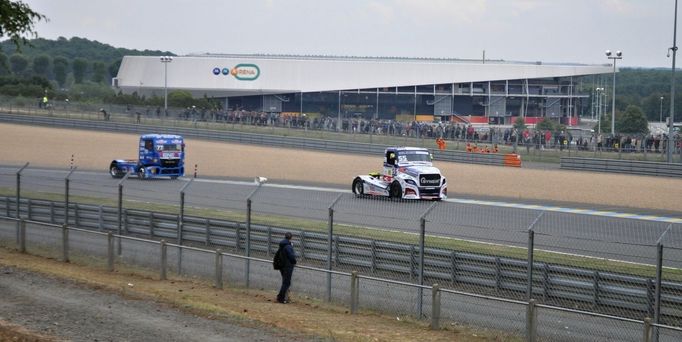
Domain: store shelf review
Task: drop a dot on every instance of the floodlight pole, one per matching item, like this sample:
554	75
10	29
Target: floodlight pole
671	127
165	60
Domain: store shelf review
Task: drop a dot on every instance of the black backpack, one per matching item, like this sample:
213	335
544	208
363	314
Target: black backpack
278	260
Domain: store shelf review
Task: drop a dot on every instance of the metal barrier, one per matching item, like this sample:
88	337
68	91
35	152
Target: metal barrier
598	290
446	304
249	138
622	166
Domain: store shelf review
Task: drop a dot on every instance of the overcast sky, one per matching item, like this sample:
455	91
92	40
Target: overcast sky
574	31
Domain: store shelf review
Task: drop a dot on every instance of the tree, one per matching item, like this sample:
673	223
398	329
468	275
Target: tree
18	63
632	121
519	124
41	65
4	65
16	20
60	67
545	125
80	66
113	68
605	124
180	98
99	72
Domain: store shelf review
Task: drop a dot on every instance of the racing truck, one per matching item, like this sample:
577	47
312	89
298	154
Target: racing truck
160	155
407	174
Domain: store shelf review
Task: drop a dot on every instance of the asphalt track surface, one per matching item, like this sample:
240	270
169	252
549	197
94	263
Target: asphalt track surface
599	234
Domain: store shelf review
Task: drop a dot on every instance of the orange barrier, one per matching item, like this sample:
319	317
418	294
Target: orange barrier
512	159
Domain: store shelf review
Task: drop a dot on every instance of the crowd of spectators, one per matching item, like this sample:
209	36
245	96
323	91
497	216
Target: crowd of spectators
529	138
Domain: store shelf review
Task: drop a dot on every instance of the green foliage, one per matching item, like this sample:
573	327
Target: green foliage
90	92
605	124
41	65
545	125
18	64
180	98
80	66
113	68
19	86
519	124
61	66
99	72
4	65
632	120
16	20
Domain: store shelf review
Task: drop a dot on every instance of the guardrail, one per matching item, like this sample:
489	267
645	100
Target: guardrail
249	138
622	166
552	284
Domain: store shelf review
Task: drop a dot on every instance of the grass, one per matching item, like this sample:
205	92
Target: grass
321	226
247	307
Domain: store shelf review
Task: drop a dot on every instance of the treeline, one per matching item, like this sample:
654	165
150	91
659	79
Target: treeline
75	68
80	69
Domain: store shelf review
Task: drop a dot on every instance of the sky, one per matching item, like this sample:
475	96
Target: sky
551	31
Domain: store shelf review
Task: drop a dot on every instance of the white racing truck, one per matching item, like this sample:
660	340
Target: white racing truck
407	174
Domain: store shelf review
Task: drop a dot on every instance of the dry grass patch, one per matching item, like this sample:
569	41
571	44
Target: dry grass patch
251	307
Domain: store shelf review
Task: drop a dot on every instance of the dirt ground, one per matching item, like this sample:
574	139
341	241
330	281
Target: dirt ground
59	301
91	150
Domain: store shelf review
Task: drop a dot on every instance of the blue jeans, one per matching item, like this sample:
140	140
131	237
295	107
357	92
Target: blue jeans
286	282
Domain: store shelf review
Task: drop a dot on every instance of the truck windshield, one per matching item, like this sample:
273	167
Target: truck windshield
417	156
171	147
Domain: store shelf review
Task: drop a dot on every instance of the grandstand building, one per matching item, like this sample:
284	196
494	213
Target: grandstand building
484	91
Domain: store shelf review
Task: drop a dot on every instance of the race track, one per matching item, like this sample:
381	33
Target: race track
590	234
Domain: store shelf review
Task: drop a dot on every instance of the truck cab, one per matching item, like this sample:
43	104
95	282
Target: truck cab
160	155
407	173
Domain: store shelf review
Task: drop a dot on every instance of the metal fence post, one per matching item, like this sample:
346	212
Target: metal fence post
647	330
17	214
18	207
248	241
65	243
22	236
66	196
330	241
218	269
531	321
181	221
164	260
531	248
247	268
354	284
435	307
120	210
110	252
659	275
422	234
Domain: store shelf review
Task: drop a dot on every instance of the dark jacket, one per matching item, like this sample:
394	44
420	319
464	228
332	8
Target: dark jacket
290	256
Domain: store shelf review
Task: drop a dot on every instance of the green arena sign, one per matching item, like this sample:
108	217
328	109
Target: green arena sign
245	72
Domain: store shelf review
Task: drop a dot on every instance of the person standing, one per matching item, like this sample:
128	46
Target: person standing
288	257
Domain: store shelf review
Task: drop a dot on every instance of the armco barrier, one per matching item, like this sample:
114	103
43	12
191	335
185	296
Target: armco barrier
250	138
507	277
622	166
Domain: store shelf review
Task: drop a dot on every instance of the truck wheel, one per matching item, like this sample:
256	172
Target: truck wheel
114	171
396	191
358	187
141	173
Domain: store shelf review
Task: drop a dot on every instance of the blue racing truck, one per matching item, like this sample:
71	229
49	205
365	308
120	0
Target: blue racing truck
161	155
